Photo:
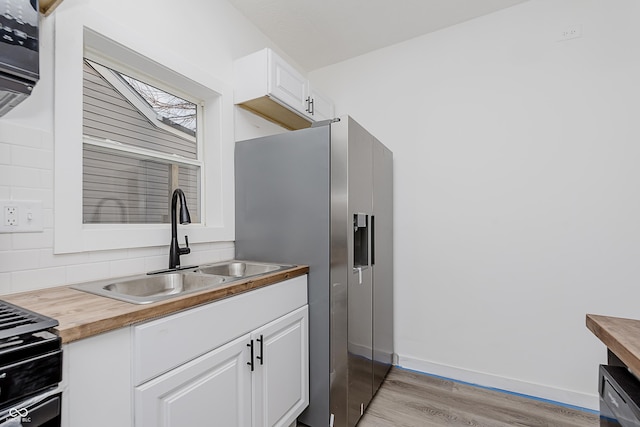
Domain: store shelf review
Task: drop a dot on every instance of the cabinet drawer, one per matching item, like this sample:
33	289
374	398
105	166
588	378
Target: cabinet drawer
163	344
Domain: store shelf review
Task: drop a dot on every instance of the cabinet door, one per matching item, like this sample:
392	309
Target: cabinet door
281	380
286	84
210	391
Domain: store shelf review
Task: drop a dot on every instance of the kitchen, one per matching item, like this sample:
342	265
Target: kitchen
514	178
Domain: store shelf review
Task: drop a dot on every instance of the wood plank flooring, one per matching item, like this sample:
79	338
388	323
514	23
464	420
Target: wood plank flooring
409	399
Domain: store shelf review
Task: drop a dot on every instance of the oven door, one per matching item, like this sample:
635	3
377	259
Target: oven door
42	410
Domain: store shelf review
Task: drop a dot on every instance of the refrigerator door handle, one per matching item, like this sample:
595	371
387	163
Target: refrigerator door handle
373	240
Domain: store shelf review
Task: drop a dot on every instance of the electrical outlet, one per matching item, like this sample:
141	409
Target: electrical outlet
21	216
11	216
572	32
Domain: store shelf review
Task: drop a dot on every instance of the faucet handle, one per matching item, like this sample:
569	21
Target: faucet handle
186	249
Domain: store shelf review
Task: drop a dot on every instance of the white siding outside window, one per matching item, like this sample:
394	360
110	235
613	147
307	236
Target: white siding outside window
133	135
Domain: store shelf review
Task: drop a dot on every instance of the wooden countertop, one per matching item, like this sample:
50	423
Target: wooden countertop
82	314
621	336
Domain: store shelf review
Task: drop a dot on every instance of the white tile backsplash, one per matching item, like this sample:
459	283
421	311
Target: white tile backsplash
127	267
46	258
22	177
156	263
46	177
26	193
5	190
5	154
5	283
31	157
25	136
5	243
18	260
37	240
37	279
87	272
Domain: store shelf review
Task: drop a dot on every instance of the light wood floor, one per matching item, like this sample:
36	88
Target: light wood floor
409	399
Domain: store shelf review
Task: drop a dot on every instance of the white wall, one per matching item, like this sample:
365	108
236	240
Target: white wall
517	189
208	34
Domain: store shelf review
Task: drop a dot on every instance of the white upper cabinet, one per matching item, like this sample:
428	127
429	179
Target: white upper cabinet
286	84
268	86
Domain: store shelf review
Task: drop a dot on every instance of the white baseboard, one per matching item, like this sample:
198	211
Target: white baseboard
531	390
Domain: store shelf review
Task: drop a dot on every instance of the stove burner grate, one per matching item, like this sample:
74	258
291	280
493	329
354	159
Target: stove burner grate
16	320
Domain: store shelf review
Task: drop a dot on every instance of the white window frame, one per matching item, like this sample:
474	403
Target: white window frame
80	27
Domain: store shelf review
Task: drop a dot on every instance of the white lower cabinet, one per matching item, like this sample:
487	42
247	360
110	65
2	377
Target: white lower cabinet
213	390
194	367
260	380
281	380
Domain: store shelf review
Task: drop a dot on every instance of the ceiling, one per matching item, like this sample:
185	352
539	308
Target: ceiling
317	33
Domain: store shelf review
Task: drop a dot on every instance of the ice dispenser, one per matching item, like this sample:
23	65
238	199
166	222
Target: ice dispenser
360	240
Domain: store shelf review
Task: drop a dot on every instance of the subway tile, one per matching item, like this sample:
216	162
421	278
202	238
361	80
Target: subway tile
23	136
127	267
43	194
5	283
87	272
5	242
108	255
46	258
6	174
149	251
5	154
18	260
38	279
31	157
156	263
37	240
47	221
19	176
5	190
214	256
46	179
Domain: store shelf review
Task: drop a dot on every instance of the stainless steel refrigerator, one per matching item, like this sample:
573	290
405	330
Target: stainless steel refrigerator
323	196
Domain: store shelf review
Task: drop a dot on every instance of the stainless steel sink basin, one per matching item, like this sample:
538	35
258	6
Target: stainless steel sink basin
240	268
148	289
156	287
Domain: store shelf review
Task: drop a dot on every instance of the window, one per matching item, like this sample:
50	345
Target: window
140	143
113	179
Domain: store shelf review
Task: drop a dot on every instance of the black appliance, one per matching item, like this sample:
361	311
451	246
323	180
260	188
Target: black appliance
30	368
19	51
619	393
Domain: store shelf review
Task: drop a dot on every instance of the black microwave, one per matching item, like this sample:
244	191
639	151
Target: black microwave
19	51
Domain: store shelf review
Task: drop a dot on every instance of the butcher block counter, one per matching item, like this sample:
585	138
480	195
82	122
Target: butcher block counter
621	336
82	315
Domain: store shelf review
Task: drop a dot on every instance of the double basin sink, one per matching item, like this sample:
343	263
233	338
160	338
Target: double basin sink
157	287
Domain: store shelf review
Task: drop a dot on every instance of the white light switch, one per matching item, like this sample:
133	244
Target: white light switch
21	216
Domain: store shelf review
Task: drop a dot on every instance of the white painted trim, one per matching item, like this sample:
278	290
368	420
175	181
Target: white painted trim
115	145
76	23
567	397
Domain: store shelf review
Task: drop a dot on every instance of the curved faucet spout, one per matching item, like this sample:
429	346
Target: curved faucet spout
175	250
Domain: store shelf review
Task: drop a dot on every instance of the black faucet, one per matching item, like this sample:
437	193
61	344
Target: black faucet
175	250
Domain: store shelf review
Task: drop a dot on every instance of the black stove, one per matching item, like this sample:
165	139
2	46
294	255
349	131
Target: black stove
30	367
